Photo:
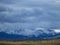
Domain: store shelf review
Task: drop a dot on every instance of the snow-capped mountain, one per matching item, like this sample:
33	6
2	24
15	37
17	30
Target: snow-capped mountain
38	33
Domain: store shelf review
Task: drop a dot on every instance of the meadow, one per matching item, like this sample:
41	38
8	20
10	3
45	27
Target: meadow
31	42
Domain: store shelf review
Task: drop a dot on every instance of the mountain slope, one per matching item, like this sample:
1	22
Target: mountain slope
39	34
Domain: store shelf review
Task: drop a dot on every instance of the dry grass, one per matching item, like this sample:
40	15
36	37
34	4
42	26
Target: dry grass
32	42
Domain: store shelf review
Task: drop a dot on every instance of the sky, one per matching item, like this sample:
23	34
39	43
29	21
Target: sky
25	16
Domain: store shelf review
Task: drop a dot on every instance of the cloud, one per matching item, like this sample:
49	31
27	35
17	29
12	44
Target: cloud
26	30
57	30
28	14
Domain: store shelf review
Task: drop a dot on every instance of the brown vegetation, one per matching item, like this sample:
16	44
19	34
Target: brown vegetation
36	42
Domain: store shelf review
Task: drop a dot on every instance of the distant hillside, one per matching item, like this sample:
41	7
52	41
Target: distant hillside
5	36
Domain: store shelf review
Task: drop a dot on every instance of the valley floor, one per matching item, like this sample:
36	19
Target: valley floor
31	42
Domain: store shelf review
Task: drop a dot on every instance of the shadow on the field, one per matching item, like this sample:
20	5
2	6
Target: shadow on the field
4	44
28	44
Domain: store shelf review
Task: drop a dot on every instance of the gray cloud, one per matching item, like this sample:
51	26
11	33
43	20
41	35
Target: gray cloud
29	14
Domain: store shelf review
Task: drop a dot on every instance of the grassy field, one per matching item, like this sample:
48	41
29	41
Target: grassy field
32	42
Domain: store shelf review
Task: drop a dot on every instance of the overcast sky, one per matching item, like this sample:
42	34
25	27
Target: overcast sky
29	15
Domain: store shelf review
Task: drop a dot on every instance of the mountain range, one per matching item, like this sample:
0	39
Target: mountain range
41	35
